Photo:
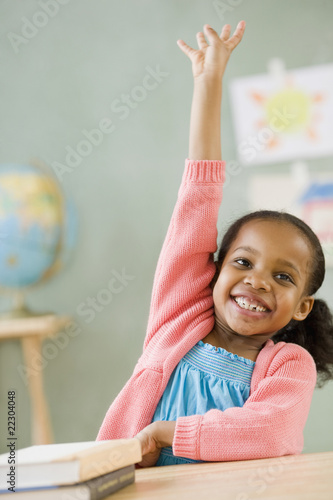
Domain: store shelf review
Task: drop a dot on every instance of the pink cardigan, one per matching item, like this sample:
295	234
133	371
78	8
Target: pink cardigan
271	422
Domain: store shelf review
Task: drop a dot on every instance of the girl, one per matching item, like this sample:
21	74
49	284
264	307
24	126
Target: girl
232	348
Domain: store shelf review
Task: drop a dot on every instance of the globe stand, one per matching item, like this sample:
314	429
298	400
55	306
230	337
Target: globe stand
20	310
31	329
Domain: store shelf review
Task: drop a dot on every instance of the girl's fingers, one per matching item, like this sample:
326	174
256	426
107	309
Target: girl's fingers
237	36
225	33
185	48
211	34
202	44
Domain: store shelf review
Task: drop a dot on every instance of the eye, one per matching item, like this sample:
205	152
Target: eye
243	262
285	277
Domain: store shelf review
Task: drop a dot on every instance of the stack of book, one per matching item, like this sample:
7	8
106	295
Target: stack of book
85	471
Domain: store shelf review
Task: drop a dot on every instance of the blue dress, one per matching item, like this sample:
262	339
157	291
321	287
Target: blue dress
206	378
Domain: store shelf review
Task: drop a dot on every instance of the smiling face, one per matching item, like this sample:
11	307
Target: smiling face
263	278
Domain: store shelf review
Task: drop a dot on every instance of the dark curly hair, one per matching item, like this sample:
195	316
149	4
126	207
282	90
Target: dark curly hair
315	332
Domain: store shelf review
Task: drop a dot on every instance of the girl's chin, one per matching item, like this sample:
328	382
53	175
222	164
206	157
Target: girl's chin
236	326
233	327
245	332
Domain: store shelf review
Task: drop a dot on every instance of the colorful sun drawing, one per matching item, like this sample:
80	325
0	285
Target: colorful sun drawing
288	111
283	116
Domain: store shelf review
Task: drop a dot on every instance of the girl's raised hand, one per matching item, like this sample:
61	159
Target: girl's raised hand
211	59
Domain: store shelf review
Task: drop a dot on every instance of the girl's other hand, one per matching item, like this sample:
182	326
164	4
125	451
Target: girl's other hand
150	446
211	59
153	438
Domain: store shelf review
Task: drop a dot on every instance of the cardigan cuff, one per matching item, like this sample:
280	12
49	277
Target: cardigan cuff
204	170
187	437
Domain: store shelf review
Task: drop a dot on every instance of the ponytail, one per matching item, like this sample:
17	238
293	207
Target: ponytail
315	334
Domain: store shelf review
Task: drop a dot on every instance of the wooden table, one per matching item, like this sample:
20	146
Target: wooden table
293	477
32	330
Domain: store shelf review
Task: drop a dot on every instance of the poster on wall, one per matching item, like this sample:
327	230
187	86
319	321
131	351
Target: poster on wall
283	115
308	196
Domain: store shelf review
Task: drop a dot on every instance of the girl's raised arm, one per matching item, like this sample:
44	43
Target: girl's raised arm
185	268
208	67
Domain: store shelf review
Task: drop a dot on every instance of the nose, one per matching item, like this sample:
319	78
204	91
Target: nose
258	281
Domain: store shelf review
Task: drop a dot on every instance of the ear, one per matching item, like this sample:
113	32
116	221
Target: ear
304	308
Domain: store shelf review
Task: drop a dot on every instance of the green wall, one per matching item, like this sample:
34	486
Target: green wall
67	77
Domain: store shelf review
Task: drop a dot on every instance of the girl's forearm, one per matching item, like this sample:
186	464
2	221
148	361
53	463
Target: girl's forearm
205	124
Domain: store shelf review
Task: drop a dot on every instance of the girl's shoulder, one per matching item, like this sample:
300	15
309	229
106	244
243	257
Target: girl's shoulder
284	368
277	354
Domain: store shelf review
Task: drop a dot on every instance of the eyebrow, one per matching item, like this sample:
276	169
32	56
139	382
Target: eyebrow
280	261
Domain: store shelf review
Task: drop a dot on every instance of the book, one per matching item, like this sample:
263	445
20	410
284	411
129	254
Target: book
66	463
95	489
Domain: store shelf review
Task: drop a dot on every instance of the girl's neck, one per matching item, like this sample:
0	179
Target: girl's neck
247	346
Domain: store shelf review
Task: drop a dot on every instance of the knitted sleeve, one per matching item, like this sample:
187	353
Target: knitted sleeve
270	424
186	266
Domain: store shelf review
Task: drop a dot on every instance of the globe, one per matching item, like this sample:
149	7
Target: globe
38	228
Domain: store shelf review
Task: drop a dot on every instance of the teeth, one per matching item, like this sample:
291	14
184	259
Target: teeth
244	303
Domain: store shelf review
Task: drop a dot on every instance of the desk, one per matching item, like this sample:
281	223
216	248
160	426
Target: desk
293	477
32	330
